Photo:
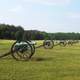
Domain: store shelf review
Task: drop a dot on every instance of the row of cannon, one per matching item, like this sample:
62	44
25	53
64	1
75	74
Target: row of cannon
24	50
66	42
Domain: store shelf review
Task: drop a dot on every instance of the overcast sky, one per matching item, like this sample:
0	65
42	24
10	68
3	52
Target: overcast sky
44	15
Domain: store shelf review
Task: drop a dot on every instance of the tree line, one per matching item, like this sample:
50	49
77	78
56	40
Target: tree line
17	32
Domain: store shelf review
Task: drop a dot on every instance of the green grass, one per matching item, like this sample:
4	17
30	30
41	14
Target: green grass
59	63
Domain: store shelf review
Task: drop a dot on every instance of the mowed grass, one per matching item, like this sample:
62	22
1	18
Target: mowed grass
59	63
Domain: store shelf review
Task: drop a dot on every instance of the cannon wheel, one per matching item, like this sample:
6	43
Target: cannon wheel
48	44
62	44
33	46
24	53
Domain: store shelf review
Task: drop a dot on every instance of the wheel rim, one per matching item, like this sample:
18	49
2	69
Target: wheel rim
22	53
48	44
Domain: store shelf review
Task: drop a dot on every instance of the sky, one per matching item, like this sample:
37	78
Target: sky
43	15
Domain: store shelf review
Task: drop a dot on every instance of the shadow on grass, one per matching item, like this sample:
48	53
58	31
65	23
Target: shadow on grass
41	59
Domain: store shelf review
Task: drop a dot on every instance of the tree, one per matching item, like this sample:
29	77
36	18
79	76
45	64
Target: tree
19	35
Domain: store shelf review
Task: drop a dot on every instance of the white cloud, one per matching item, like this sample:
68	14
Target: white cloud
16	9
50	2
75	15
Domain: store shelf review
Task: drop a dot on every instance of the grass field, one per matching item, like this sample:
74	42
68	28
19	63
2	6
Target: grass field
59	63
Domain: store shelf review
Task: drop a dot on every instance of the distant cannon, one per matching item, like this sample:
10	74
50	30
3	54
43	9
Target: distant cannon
62	43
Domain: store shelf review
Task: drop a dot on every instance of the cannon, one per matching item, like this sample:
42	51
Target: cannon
24	49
